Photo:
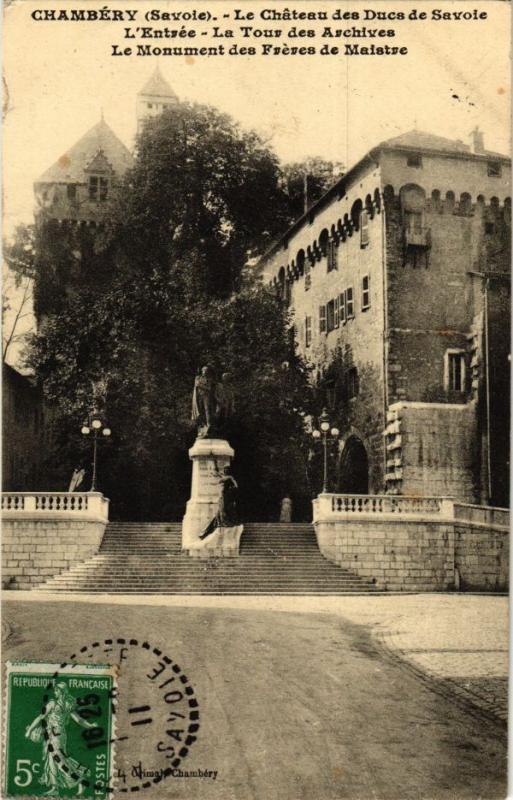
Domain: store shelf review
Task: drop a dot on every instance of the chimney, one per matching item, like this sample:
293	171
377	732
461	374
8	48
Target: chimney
477	141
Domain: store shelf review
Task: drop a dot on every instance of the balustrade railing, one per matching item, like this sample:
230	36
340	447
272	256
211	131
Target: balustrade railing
383	504
92	504
351	505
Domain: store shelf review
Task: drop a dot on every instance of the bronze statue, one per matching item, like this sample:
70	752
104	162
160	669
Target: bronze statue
212	403
225	398
204	404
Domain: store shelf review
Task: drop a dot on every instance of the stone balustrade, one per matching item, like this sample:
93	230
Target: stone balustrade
90	505
45	533
404	543
341	505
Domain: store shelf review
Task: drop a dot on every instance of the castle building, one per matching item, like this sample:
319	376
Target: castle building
76	188
155	96
398	280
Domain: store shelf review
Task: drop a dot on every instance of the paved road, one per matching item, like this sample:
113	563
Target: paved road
296	704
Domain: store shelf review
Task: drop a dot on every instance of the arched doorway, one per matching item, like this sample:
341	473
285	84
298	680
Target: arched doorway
353	473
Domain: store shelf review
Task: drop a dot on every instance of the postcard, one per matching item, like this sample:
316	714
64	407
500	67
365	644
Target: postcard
256	399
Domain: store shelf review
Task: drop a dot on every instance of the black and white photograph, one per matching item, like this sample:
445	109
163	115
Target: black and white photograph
256	399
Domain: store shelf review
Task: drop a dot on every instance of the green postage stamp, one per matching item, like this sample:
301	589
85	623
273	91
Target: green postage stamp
59	733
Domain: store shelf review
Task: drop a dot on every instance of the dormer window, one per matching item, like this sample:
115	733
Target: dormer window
414	160
494	169
98	188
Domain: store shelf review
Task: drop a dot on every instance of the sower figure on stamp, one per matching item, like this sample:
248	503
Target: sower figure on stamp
60	770
204	403
227	511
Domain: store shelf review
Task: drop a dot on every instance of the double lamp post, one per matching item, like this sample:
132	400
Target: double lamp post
93	428
327	435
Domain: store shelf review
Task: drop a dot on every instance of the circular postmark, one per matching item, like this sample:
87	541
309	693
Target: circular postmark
154	713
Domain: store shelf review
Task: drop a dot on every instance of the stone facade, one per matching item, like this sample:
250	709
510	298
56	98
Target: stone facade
451	546
389	274
35	550
435	445
44	535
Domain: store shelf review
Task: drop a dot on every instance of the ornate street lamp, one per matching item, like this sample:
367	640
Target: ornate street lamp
328	437
93	428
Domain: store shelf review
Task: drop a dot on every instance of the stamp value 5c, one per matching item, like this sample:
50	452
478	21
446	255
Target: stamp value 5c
59	730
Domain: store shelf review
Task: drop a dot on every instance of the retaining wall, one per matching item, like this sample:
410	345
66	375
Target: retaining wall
414	550
43	535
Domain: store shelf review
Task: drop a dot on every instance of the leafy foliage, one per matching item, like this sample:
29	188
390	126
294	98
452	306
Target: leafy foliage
314	176
155	295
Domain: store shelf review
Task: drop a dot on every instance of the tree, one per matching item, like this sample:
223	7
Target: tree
164	297
18	282
201	186
145	469
306	181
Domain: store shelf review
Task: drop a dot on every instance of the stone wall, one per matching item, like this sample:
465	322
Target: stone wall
481	548
35	550
396	556
46	534
464	547
433	447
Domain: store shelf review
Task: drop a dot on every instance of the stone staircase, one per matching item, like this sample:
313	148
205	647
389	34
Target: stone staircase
146	558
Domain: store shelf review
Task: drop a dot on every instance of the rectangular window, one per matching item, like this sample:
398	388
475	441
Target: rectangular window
342	308
353	384
322	319
337	311
494	169
349	304
93	187
454	371
364	229
332	256
365	292
330	315
308	331
72	191
414	161
308	276
98	188
104	189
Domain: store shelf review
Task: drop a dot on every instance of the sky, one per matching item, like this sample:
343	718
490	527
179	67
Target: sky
59	77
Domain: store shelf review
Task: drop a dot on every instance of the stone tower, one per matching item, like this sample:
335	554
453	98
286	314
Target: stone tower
76	187
154	97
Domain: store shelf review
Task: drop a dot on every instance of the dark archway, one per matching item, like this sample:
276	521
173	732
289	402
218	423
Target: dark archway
353	474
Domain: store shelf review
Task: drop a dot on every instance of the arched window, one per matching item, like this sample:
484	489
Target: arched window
465	203
449	202
324	238
507	210
436	203
356	210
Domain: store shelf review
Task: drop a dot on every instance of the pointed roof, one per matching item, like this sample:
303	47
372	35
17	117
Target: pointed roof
71	166
157	86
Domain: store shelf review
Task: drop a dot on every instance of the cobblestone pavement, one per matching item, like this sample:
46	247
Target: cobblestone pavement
336	698
458	641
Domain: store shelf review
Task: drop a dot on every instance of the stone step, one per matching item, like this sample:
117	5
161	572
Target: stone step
146	558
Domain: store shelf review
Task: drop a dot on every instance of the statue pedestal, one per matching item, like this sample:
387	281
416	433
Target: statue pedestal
203	504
